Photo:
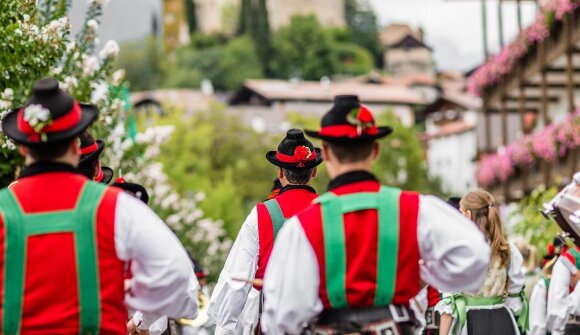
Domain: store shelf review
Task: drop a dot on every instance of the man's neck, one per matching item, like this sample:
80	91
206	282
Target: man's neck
63	160
350	167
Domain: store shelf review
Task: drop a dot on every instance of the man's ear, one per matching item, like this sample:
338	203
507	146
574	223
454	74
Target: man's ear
280	173
376	150
314	172
75	147
325	152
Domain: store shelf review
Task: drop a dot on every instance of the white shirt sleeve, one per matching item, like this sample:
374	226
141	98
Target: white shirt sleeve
558	298
163	281
454	252
575	300
538	301
229	296
291	283
516	279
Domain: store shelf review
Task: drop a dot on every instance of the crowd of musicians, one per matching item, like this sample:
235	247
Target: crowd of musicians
81	257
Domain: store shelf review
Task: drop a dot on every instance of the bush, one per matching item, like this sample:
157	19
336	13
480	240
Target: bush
142	61
227	66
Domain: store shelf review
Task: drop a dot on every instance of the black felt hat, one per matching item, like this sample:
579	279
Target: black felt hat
107	175
51	115
138	191
454	202
348	121
90	149
295	152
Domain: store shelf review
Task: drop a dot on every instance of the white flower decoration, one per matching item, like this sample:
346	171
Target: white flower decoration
37	117
110	50
93	25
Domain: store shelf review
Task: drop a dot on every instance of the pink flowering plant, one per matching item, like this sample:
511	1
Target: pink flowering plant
548	144
503	63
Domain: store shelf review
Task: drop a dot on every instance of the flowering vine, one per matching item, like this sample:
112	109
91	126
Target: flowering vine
548	144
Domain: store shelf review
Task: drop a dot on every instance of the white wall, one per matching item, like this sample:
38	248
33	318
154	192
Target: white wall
450	159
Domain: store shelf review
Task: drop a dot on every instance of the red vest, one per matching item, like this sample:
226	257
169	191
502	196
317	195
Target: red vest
433	296
361	240
291	202
50	299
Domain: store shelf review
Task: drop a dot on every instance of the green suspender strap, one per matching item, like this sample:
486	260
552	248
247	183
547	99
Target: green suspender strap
386	201
576	255
276	215
19	226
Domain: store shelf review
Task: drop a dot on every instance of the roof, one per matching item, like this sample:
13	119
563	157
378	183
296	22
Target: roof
457	98
408	42
280	90
396	32
417	79
190	100
452	128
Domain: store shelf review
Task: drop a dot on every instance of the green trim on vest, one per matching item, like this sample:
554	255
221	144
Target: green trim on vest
333	207
81	221
276	215
576	255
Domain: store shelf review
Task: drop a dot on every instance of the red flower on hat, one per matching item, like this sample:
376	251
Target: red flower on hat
302	154
362	118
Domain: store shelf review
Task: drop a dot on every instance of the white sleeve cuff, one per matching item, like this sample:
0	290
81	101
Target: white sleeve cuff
219	330
444	308
514	304
144	321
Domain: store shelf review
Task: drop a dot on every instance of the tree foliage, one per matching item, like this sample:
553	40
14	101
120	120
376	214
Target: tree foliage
227	66
191	15
214	152
142	61
303	49
531	224
364	28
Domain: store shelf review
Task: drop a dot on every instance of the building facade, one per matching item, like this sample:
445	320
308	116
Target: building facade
405	51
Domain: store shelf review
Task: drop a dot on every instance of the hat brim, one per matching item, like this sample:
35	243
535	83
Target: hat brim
89	114
95	154
134	189
107	175
271	157
382	132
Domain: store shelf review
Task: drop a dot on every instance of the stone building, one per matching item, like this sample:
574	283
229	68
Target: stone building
405	51
217	16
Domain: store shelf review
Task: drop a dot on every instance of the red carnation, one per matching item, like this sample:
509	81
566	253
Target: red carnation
302	153
365	115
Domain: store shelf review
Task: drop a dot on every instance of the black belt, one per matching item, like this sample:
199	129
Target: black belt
398	314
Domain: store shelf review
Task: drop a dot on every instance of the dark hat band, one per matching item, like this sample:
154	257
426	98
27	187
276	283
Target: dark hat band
301	155
90	149
68	121
347	130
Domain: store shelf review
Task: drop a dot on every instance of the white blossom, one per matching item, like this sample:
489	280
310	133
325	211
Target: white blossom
25	18
90	65
8	94
117	77
69	83
93	25
110	50
100	92
35	114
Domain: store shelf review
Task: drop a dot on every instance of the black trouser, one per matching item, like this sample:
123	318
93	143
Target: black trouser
396	320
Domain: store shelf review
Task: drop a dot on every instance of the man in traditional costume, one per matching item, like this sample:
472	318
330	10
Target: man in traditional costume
564	294
90	163
66	240
296	159
351	262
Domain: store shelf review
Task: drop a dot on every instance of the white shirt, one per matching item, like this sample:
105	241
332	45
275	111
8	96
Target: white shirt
454	256
560	302
163	281
234	304
538	310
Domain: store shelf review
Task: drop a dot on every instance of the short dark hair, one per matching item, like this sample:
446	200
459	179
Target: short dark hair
49	152
351	152
298	177
88	168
